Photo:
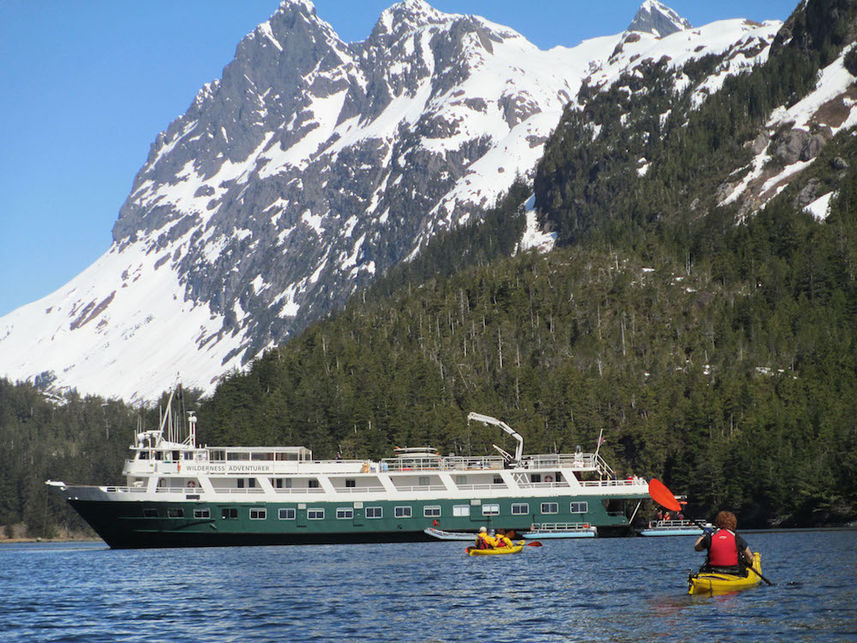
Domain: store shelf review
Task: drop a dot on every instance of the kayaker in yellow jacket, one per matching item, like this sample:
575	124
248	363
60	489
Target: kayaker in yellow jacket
483	540
502	540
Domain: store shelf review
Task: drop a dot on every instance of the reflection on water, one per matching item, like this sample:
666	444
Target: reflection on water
613	589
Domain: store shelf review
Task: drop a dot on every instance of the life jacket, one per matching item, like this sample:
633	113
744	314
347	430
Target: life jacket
482	541
724	549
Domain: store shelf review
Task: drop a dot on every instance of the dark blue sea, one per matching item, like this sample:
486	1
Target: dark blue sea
625	589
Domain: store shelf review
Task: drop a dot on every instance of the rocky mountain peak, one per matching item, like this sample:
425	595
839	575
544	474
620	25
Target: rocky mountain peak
658	19
407	16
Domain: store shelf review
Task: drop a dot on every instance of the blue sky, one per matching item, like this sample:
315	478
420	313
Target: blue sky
88	84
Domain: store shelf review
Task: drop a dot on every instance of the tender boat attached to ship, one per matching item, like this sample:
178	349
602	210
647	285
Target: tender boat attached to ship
179	494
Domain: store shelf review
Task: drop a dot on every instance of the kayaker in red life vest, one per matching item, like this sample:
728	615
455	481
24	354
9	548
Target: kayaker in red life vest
727	551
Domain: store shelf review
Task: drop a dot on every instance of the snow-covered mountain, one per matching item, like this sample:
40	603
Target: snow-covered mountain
312	166
657	19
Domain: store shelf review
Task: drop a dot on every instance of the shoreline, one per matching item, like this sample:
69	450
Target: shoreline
96	539
20	541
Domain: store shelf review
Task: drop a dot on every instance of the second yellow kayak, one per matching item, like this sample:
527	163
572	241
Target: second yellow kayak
472	551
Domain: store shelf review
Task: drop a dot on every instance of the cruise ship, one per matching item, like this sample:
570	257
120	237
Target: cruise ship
179	494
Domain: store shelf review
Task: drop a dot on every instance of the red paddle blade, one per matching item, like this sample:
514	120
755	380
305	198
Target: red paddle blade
663	496
534	543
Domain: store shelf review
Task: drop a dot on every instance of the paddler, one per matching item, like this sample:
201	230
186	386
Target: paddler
483	540
728	553
502	540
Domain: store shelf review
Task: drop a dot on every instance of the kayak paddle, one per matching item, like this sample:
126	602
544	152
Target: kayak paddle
663	496
535	543
666	498
759	574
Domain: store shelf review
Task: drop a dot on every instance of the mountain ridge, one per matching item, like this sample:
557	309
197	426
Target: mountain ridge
237	232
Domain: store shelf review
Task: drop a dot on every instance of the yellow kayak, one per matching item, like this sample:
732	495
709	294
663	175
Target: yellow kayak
714	583
472	551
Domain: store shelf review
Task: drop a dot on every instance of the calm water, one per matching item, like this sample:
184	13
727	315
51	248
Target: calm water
601	589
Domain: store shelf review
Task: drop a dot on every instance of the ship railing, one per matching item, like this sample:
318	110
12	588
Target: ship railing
452	463
576	461
480	487
123	489
559	526
580	461
245	491
226	490
449	463
625	482
672	523
298	490
464	463
421	487
377	489
178	490
543	485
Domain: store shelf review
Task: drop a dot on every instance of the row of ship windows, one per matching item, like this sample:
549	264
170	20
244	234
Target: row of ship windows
350	483
347	513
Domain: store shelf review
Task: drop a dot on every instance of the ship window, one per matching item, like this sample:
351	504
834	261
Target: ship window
143	455
431	512
217	456
498	479
240	482
228	513
315	514
374	512
460	479
312	483
461	510
188	455
257	513
201	513
251	482
150	513
402	512
350	483
262	456
520	509
535	477
175	513
579	507
424	481
238	455
490	510
283	483
288	513
344	513
550	508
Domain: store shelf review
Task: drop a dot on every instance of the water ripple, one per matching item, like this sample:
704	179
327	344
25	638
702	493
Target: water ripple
605	589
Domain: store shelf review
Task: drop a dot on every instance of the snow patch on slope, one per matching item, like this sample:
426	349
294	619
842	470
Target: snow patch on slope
128	330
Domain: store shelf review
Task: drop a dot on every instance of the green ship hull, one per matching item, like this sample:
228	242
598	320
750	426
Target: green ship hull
136	524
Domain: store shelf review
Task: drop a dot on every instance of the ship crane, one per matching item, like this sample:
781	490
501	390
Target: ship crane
487	419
